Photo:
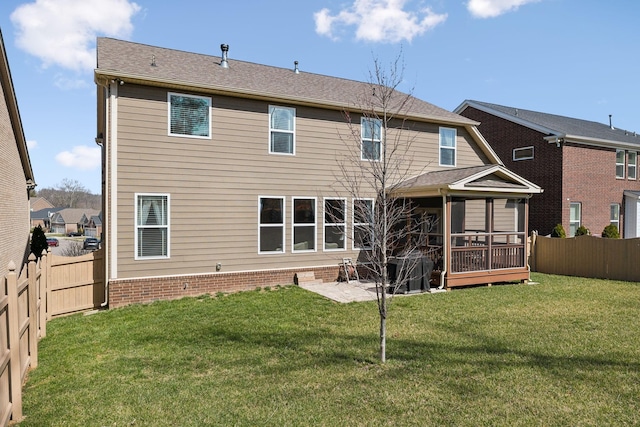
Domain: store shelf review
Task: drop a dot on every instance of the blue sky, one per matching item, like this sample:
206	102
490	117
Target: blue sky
574	58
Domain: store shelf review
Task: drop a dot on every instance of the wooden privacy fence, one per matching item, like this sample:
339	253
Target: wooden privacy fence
46	288
587	256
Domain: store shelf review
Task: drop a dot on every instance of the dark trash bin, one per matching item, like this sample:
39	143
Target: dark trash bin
417	280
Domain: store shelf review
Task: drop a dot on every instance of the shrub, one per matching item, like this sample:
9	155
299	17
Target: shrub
74	249
611	232
38	241
583	231
558	231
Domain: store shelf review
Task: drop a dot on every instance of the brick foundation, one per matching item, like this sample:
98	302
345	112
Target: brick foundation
133	291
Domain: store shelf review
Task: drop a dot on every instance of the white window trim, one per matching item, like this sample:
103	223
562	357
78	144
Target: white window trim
294	225
633	165
362	139
293	132
136	226
624	156
579	221
326	224
615	222
283	225
180	135
454	148
522	149
356	224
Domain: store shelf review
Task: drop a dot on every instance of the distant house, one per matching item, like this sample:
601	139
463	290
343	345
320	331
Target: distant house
40	203
92	225
589	170
42	217
220	175
71	220
16	174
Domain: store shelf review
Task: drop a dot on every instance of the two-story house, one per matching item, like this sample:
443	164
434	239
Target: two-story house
16	174
219	175
589	170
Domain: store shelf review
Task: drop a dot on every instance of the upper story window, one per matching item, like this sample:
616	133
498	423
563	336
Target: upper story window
524	153
619	163
282	130
371	132
189	115
447	147
632	165
152	226
271	225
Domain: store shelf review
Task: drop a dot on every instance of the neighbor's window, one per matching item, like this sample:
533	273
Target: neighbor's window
304	224
371	131
189	115
619	163
281	130
615	215
152	226
335	224
575	217
447	147
632	165
362	223
524	153
271	225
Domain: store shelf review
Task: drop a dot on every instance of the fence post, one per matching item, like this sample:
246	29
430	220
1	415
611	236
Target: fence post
49	281
33	311
532	252
42	292
14	343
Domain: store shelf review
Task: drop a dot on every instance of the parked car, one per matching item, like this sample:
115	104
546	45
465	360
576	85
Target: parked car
91	243
52	241
74	234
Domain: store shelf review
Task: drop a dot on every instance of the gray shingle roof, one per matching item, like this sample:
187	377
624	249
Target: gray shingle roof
123	59
561	125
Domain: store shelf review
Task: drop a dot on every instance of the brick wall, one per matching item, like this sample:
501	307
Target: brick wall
131	291
545	169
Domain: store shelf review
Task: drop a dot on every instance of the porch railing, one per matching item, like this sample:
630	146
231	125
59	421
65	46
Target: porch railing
487	251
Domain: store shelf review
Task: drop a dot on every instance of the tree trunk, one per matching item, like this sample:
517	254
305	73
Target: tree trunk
383	339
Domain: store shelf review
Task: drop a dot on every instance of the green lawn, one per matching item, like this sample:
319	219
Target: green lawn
565	351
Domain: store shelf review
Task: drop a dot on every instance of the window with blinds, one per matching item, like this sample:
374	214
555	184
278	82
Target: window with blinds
152	226
371	133
447	147
281	130
189	115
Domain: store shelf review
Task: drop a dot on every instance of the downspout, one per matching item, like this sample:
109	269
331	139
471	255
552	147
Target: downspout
444	239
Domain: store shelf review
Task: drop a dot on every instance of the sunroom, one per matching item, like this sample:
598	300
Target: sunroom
477	223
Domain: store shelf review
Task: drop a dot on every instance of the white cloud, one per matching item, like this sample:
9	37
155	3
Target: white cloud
62	32
80	157
378	21
493	8
66	83
32	144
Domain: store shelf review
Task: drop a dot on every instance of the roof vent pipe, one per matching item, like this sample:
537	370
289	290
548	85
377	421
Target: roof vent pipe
225	49
610	123
295	67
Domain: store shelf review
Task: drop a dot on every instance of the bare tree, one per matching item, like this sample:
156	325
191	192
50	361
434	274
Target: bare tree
377	158
70	194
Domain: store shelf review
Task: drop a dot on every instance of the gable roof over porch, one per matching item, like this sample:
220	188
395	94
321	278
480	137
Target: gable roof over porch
478	179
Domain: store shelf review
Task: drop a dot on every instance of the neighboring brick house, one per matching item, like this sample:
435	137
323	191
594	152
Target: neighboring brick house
221	175
40	203
16	175
589	170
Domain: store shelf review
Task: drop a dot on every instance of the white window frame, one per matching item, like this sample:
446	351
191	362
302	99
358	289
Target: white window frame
373	140
576	222
632	166
291	132
614	207
295	225
442	147
619	165
523	149
354	241
181	135
272	225
342	224
138	226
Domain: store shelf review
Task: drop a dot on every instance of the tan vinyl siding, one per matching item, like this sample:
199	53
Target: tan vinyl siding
14	201
214	184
